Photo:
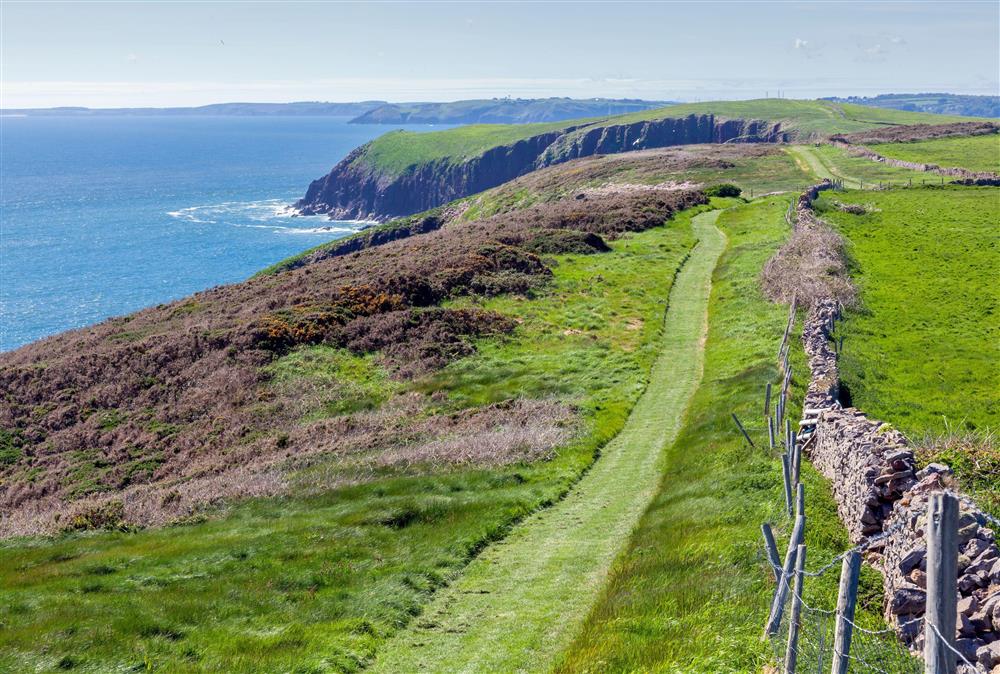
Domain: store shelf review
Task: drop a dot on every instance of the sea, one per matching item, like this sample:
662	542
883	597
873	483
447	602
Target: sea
101	216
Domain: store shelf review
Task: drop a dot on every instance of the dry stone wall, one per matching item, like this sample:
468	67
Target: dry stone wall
965	176
882	499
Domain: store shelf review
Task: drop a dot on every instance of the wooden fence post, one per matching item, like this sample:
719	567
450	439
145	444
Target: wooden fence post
786	473
767	399
795	619
942	584
772	550
770	432
796	452
800	499
742	430
847	599
778	605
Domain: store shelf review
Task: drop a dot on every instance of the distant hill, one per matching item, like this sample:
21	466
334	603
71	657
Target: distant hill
240	109
499	110
941	104
503	110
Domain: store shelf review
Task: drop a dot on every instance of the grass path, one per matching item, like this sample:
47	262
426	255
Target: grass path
811	162
523	599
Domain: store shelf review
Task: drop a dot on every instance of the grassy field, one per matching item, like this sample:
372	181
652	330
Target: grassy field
317	583
922	351
394	152
832	163
691	592
976	153
524	599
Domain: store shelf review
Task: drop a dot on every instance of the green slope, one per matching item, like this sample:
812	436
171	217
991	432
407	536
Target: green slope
522	600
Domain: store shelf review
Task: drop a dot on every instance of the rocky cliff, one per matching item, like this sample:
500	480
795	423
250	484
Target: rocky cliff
357	188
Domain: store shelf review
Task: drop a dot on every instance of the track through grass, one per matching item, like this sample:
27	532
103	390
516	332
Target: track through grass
523	599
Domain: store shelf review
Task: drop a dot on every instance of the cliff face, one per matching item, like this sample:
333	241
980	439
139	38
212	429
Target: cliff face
355	189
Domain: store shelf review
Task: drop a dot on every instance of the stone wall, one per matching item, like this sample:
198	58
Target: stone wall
965	176
882	499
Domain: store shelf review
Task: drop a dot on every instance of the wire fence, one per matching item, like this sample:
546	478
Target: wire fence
871	651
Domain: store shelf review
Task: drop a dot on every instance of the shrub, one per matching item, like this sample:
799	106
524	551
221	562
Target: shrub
723	190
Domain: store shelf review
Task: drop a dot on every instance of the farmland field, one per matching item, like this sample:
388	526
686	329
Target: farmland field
976	153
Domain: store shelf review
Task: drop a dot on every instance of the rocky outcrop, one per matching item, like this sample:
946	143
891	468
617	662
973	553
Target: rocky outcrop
660	133
357	188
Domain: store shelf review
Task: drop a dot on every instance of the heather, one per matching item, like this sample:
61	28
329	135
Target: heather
176	407
391	485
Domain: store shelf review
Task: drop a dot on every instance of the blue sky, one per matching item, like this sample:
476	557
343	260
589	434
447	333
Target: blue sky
188	53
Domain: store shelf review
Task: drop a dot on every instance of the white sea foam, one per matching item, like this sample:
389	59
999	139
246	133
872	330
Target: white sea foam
276	215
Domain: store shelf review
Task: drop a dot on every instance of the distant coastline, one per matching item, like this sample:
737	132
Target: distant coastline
481	111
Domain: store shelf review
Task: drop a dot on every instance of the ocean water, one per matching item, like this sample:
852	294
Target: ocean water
103	216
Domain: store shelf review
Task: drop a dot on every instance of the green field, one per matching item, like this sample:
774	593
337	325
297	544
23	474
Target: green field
396	151
833	163
317	583
976	153
922	351
692	591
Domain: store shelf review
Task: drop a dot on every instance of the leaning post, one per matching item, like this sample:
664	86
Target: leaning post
847	601
778	605
942	584
772	550
795	619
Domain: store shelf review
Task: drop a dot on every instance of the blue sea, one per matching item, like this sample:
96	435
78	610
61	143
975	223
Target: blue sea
100	216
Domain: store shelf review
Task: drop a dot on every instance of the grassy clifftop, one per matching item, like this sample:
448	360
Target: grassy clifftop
396	151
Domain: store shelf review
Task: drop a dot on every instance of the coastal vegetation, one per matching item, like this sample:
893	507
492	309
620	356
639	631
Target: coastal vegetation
498	431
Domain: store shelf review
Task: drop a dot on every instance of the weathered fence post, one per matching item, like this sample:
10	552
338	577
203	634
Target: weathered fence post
770	432
778	605
767	399
742	430
942	584
847	600
800	499
796	458
786	473
795	619
772	550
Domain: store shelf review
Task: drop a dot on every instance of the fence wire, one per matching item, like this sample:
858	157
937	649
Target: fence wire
871	651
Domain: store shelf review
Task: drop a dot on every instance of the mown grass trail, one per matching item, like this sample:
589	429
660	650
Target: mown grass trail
523	599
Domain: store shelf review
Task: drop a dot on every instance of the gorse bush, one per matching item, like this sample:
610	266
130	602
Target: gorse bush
723	190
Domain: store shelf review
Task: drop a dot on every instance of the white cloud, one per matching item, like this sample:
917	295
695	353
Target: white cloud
132	58
800	43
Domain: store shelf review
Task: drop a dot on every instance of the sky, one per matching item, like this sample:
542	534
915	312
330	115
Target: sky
117	54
